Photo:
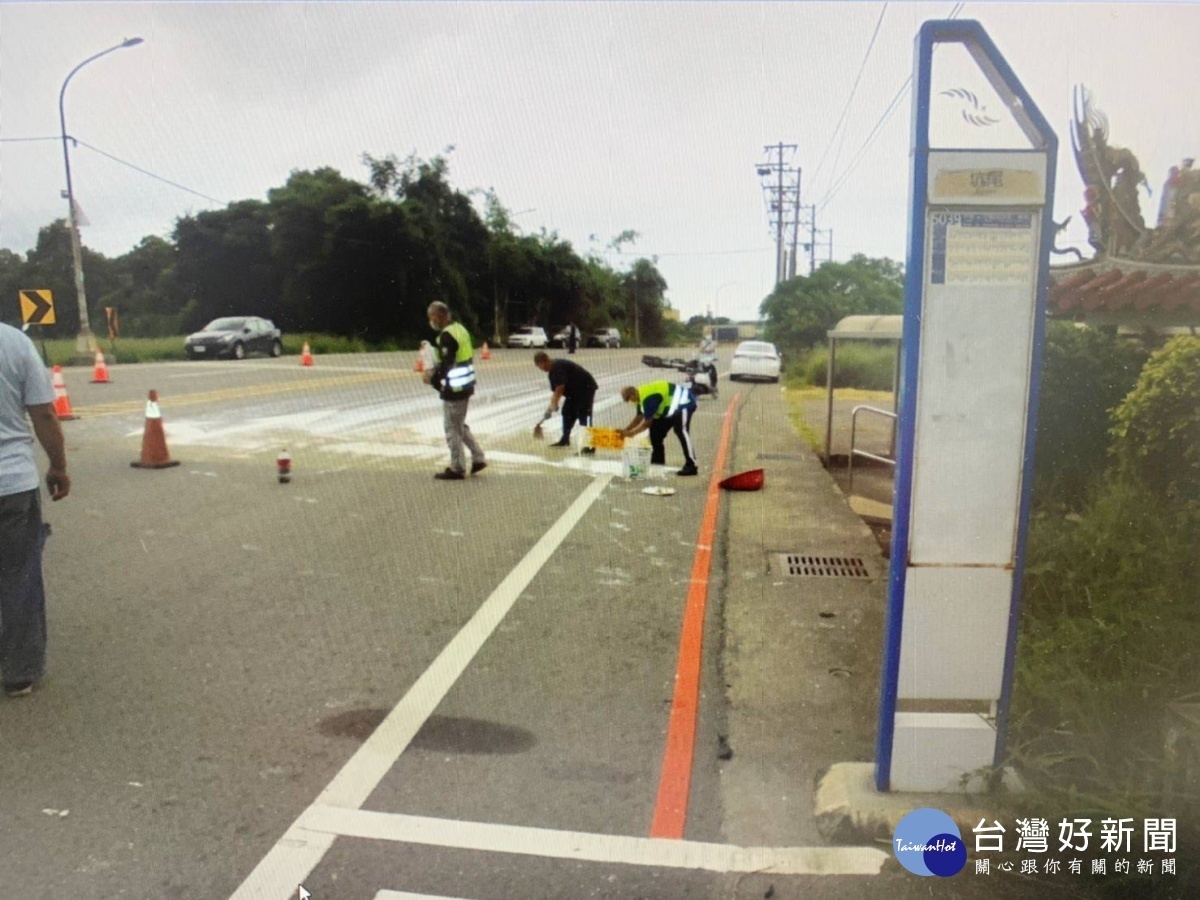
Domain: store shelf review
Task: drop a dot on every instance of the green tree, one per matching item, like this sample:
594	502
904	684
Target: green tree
1156	429
301	217
145	297
225	266
1085	374
801	310
446	239
12	282
645	290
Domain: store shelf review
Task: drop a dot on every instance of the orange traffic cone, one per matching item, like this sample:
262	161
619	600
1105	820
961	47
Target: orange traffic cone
100	372
487	354
306	356
62	403
154	441
420	366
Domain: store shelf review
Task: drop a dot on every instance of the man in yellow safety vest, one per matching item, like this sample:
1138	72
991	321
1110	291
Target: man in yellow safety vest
661	407
454	379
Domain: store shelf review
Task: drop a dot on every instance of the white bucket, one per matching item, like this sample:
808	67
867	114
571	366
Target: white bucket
635	462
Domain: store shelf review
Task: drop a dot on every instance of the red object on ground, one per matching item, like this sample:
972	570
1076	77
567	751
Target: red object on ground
284	463
745	481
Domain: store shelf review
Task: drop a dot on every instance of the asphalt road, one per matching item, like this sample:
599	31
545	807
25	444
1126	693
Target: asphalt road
222	645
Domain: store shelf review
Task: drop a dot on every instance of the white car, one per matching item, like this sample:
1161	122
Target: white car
528	336
756	359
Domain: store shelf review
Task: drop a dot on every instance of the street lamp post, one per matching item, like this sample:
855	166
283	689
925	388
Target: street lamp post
717	301
85	342
497	335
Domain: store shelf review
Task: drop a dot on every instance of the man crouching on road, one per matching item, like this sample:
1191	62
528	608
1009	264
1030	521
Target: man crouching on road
575	388
662	406
454	379
24	388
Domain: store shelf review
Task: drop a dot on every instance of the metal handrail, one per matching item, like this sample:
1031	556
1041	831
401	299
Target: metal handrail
863	453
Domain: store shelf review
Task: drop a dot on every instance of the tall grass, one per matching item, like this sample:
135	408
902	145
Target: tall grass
62	351
866	366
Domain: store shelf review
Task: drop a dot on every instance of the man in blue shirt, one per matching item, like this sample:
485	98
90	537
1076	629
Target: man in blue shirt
24	389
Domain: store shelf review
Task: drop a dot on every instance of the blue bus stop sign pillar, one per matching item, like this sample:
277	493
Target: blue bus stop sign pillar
978	246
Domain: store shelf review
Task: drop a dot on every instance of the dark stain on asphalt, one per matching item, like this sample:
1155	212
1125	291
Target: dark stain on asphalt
441	734
355	723
447	734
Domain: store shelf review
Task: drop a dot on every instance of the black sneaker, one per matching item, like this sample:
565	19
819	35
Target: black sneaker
450	475
477	467
688	470
588	451
561	442
19	689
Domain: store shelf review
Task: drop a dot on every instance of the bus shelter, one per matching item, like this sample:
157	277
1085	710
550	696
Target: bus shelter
861	328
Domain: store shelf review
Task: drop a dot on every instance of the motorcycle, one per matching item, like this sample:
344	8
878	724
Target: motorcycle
701	375
700	371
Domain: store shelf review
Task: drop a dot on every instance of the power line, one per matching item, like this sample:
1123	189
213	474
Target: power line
4	140
887	113
891	107
845	109
147	172
693	252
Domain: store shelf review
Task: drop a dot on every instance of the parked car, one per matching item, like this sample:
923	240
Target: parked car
605	337
562	338
528	336
235	337
756	359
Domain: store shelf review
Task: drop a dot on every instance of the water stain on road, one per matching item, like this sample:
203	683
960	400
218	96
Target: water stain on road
441	734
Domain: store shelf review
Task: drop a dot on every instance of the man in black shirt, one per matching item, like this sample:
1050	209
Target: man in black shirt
574	387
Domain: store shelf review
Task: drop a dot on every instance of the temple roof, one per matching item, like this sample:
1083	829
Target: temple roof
1110	290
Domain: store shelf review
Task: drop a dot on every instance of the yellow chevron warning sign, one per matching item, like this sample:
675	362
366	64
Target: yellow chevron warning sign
37	307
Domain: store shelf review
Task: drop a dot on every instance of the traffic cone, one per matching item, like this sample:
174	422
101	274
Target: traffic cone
745	481
154	441
487	354
420	366
62	403
100	372
306	356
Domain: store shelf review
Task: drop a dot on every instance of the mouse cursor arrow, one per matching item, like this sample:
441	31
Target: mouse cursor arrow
304	895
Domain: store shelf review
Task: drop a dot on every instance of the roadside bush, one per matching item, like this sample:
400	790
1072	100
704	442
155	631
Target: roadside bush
323	343
1085	374
866	366
1111	610
1156	429
1109	622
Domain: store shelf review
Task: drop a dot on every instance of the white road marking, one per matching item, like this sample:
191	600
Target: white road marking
586	847
295	855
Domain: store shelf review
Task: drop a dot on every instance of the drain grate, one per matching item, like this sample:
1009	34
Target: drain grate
805	566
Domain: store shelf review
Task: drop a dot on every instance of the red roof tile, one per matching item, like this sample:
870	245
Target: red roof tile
1119	291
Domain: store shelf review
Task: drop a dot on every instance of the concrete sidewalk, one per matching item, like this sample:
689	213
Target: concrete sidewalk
801	654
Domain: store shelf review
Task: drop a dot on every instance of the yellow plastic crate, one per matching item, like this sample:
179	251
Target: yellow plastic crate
606	439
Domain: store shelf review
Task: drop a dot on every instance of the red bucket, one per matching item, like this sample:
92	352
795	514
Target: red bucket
745	481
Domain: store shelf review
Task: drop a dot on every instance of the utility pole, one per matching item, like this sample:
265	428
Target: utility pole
812	239
795	226
777	204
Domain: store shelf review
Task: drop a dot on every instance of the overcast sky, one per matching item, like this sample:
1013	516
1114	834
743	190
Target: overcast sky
586	118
